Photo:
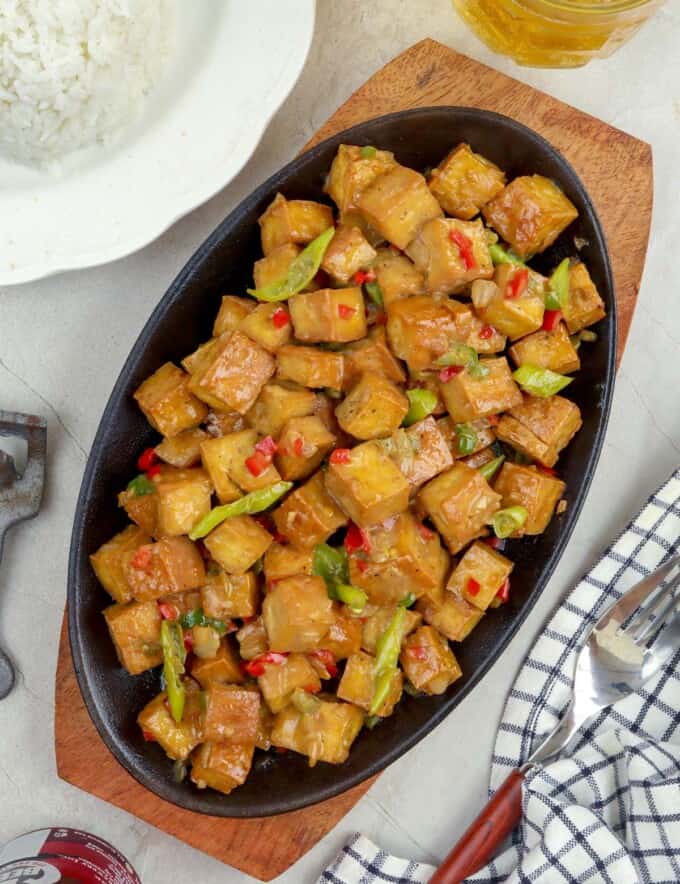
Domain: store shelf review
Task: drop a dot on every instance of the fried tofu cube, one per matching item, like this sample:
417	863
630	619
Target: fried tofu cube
292	221
420	452
397	276
285	560
371	355
311	367
468	397
374	408
460	502
547	349
142	509
167	402
528	487
135	630
584	305
173	564
368	487
428	662
236	374
479	458
326	735
464	181
421	329
276	405
479	575
260	327
348	252
275	266
176	739
530	213
280	680
541	428
376	623
297	613
109	561
252	639
302	445
232	714
329	315
182	451
397	204
225	459
309	515
198	361
217	454
358	684
483	430
230	595
223	668
183	500
404	557
512	315
352	171
232	311
452	615
438	253
343	637
238	543
221	766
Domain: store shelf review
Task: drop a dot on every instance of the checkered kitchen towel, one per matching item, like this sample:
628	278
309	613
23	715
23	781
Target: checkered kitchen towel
610	812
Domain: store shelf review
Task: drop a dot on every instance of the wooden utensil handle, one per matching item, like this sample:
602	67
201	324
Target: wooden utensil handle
493	825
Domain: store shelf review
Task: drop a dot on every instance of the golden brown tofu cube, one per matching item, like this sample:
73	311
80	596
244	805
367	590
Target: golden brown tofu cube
547	349
167	402
285	560
541	428
183	500
453	616
311	367
348	252
326	735
274	266
109	561
460	502
302	445
464	181
252	639
174	564
420	452
451	253
177	740
142	509
297	613
371	355
223	668
468	397
261	327
343	637
530	213
217	454
221	766
479	575
428	661
397	276
135	630
225	459
351	173
376	623
368	487
331	315
296	221
528	487
397	204
404	557
198	361
584	305
232	311
309	515
230	595
232	714
280	680
483	430
236	375
421	329
358	683
238	543
374	408
479	458
512	315
182	451
276	405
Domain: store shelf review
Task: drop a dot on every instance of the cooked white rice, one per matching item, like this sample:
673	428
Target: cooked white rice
75	73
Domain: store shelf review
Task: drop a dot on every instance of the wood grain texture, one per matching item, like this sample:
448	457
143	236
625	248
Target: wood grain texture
604	157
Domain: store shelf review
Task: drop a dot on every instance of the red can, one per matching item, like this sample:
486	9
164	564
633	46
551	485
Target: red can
63	856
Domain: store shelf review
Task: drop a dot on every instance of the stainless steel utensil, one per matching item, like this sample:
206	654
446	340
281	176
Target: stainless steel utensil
631	642
20	496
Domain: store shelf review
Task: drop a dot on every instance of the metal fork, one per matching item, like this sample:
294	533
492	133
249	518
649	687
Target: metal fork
630	643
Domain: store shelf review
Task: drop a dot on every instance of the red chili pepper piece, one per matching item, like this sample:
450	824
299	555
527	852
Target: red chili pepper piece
153	471
147	459
280	317
299	446
340	455
517	283
356	539
188	642
142	558
551	319
493	419
381	318
168	612
345	311
362	276
257	463
256	667
148	736
493	542
424	531
362	565
417	652
504	592
326	657
464	246
547	471
473	586
267	446
486	332
312	688
450	372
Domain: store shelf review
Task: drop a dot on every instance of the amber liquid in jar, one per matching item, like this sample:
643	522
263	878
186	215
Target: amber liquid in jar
555	33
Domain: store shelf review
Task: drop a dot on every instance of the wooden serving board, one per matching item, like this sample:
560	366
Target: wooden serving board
617	171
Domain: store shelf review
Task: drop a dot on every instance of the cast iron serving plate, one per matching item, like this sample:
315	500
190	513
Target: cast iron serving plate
182	320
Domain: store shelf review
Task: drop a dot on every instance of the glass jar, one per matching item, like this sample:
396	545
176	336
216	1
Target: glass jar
555	33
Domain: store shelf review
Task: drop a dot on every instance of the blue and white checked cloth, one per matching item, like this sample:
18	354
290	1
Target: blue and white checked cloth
610	812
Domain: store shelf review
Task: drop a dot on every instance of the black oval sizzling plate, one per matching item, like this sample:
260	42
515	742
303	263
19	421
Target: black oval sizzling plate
182	320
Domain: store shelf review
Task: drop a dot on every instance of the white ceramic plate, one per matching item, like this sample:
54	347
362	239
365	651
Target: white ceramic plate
234	64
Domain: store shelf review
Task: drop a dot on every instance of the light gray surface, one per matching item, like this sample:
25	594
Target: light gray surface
62	342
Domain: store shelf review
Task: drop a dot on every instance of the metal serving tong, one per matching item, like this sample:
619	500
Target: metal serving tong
631	642
20	496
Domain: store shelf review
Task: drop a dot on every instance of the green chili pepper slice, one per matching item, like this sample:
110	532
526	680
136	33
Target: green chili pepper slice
255	502
557	297
301	272
386	658
140	486
588	336
540	382
368	152
196	617
331	564
421	403
374	292
174	657
466	438
499	255
461	354
506	522
489	470
351	596
408	601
